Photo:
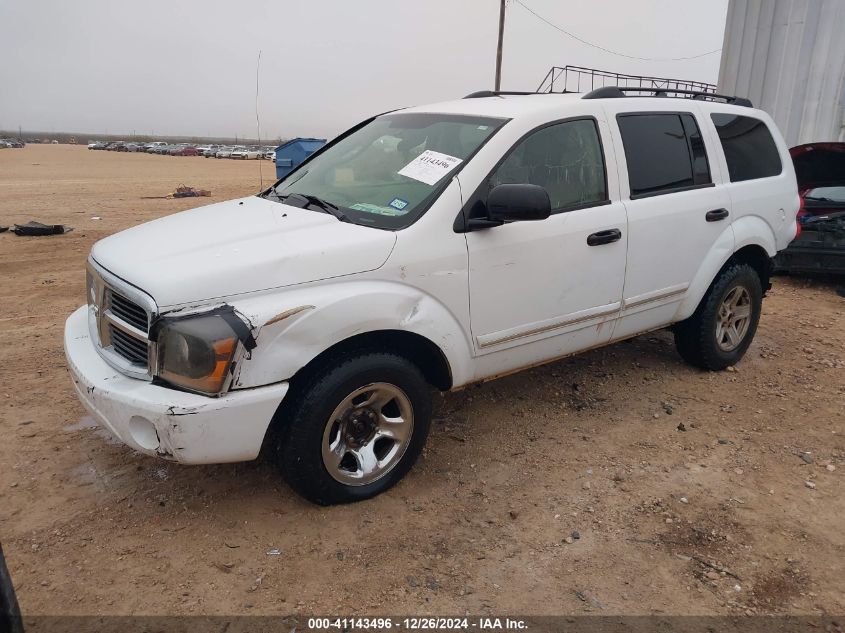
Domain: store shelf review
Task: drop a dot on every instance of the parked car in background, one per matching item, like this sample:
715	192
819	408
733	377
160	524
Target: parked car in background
178	147
211	152
246	153
820	171
268	153
820	246
818	249
185	151
226	152
152	147
14	143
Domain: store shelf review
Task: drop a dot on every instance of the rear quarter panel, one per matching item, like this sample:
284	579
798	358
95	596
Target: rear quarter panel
763	210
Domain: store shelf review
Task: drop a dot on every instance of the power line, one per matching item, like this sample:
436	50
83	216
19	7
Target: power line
607	50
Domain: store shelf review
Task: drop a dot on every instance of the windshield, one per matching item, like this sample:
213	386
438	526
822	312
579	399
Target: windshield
387	173
826	194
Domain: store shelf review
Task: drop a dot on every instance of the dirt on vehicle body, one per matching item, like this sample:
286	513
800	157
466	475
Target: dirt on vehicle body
532	489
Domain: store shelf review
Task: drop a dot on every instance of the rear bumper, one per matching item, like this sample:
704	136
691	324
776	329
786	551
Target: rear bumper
163	422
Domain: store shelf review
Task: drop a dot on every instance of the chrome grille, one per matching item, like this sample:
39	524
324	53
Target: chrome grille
128	311
131	348
119	317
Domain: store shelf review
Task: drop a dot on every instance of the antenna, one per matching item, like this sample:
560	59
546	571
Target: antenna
258	122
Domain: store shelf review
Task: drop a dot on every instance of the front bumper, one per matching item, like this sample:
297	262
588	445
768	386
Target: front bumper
155	420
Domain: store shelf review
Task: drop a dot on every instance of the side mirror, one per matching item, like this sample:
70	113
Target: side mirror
517	203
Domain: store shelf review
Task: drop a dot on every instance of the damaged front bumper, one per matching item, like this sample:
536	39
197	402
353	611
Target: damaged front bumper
155	420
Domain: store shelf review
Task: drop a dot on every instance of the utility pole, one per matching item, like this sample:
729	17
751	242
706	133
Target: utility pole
499	47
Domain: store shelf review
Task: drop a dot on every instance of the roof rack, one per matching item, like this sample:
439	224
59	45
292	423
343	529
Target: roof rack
615	92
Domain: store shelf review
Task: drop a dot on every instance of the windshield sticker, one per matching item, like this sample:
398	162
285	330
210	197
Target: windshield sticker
429	167
399	204
374	208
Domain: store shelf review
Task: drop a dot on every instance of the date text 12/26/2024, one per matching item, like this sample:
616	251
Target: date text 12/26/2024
417	624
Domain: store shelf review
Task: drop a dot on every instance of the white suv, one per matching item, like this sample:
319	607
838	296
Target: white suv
434	246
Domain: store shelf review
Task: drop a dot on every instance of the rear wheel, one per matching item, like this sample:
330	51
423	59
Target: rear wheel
355	428
719	332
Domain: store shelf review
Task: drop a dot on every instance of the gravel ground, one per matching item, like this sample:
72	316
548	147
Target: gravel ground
620	481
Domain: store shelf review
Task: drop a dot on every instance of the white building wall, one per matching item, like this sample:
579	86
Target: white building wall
788	57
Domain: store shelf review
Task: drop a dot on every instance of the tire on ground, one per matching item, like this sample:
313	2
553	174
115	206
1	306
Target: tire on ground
695	337
314	399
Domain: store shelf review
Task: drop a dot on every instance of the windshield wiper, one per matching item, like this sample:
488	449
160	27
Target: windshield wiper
324	205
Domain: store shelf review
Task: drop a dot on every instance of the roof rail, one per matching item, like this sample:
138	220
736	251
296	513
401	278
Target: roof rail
614	92
497	93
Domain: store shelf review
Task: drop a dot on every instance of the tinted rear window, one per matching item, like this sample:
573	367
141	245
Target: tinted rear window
664	153
749	148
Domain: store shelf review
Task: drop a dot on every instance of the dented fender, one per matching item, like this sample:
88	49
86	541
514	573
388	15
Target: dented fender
294	327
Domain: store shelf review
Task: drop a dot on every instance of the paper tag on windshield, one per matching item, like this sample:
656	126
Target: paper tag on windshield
429	167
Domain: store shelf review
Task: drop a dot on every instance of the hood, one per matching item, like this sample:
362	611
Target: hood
239	246
819	164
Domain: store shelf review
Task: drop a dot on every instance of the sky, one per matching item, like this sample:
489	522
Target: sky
188	67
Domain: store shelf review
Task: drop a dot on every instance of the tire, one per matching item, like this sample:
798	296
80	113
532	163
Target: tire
701	341
330	452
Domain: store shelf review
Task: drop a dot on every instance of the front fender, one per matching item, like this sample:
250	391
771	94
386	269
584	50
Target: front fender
294	327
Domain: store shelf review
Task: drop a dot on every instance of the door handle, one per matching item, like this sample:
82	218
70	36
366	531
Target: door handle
716	214
604	237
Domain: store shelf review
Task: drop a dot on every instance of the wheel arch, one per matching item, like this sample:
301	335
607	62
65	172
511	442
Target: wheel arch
755	256
413	347
321	322
729	249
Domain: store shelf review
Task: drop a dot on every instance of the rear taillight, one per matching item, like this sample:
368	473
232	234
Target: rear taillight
801	210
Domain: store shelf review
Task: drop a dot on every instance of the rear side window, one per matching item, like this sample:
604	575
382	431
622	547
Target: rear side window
664	153
749	148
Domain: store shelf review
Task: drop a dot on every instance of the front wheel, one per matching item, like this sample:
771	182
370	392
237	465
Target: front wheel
720	330
354	429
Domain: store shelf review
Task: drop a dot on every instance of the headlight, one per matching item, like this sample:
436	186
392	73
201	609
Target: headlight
196	353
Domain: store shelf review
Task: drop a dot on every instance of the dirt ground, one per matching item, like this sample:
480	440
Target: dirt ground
620	481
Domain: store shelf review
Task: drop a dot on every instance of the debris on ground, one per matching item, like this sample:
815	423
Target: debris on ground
182	191
3	229
33	228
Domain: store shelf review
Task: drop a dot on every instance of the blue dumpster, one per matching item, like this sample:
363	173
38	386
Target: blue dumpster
291	154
